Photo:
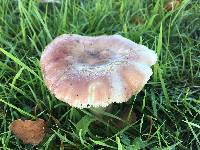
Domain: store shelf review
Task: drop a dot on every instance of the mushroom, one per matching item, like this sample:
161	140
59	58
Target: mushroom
86	71
49	1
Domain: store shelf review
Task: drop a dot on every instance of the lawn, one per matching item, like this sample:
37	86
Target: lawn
164	115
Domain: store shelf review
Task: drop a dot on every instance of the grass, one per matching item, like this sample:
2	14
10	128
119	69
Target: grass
167	109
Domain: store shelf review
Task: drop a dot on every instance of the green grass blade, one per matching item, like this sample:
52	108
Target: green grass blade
19	62
18	109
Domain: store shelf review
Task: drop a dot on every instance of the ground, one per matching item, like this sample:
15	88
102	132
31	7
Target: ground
164	115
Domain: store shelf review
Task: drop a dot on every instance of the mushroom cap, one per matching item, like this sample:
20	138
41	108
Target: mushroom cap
86	71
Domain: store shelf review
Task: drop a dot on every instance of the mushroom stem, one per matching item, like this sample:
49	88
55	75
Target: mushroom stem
98	111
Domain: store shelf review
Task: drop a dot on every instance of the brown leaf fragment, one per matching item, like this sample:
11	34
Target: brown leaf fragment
138	20
171	5
30	132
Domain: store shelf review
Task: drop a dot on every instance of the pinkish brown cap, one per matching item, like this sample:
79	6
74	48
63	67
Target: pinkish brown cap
86	71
